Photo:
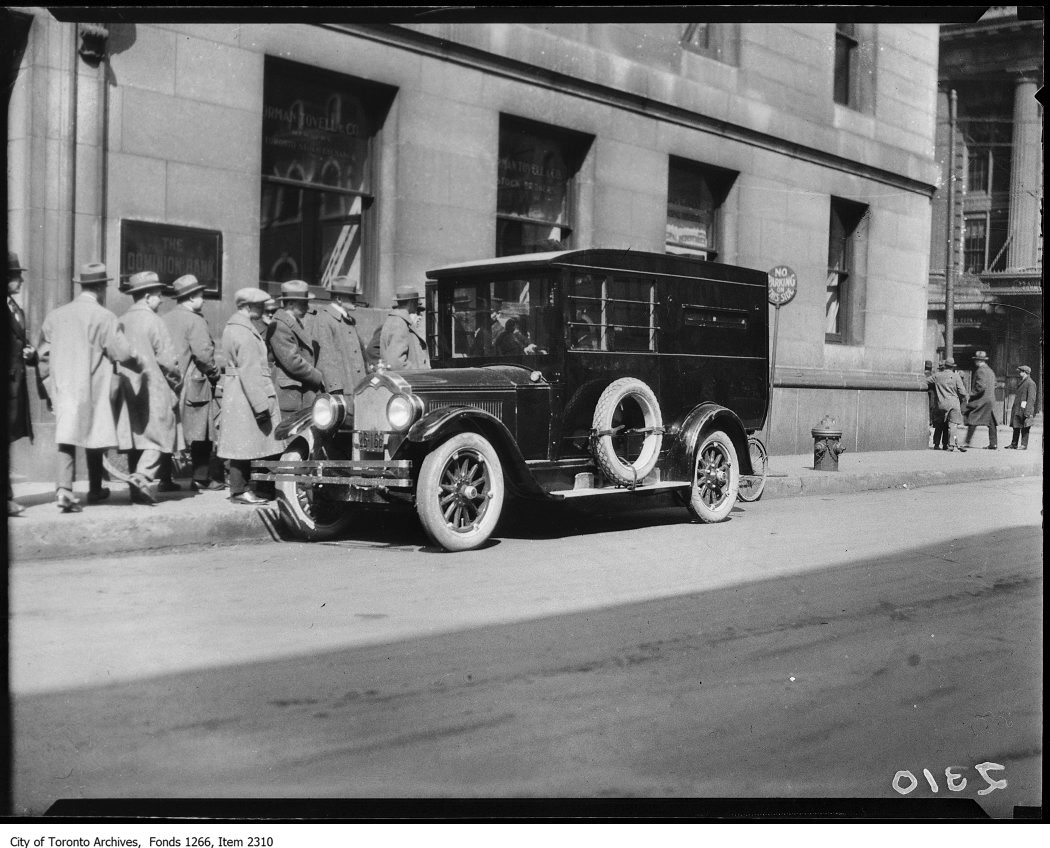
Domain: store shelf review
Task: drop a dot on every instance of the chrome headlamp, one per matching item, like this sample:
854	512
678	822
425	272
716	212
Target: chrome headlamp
402	411
328	412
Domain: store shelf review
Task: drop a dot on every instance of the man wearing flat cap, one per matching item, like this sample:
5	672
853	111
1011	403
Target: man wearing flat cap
146	425
401	344
341	355
980	411
22	355
195	351
79	343
949	393
293	350
249	413
1023	410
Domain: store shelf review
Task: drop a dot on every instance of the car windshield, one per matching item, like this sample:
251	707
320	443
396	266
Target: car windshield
496	318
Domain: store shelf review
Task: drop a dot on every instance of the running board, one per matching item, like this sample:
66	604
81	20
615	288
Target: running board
648	489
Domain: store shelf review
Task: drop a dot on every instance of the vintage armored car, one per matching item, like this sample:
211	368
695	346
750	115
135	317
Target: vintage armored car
555	376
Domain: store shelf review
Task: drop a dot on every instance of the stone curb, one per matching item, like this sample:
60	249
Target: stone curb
153	529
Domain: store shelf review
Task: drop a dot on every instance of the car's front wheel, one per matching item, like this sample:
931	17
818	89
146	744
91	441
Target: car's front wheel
305	510
716	479
460	492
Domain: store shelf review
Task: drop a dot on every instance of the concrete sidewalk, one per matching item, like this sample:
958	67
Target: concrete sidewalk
188	518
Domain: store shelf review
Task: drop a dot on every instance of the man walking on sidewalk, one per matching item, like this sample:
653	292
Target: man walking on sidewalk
195	351
146	426
1023	410
981	409
949	393
79	343
21	355
250	413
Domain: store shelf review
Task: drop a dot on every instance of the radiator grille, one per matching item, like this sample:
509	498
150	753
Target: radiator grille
370	408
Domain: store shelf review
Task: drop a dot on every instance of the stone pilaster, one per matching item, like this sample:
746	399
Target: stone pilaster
1026	179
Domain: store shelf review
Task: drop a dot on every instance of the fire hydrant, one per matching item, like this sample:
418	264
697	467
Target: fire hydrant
826	445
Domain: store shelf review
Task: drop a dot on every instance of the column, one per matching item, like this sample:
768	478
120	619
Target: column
1026	179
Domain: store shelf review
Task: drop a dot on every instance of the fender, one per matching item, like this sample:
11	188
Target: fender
295	425
436	426
693	428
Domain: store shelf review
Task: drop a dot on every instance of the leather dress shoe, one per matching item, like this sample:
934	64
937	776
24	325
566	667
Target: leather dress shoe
207	486
249	498
68	503
168	486
1010	447
15	508
991	447
95	496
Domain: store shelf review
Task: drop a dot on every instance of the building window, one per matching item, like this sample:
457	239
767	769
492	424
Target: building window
846	261
317	174
854	70
714	40
534	196
984	241
695	194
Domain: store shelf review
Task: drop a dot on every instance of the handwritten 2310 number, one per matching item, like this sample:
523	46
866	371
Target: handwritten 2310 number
905	782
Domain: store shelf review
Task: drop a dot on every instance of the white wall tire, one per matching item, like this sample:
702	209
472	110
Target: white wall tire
460	492
304	511
630	402
716	479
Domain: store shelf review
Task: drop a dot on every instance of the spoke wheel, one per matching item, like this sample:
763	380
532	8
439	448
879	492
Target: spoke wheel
751	486
305	510
716	479
460	492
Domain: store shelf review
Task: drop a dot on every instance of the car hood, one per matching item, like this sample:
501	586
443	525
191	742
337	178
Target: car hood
488	377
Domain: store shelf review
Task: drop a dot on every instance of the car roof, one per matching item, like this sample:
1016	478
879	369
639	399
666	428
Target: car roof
605	259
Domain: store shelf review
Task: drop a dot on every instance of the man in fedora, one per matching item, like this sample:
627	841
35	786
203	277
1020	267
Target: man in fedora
1023	410
249	413
79	343
341	352
293	350
980	411
22	355
949	393
401	344
195	351
146	424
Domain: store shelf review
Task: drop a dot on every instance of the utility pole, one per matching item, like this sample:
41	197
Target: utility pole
949	258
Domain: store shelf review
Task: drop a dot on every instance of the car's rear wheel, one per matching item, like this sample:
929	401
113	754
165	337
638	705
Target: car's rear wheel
305	510
716	478
459	496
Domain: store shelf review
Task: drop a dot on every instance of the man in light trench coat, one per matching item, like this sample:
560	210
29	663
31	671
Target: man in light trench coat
401	343
249	413
146	425
195	350
80	343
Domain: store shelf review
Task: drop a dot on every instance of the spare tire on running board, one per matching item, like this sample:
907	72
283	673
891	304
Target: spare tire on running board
610	409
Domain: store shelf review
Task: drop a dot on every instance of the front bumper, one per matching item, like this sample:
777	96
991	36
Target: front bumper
338	473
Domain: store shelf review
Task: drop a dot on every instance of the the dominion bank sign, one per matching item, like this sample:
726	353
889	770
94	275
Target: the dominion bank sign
172	251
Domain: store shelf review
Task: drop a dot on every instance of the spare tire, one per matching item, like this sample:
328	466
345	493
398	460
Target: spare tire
631	404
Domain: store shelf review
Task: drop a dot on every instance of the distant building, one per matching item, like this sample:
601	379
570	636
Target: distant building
995	67
259	152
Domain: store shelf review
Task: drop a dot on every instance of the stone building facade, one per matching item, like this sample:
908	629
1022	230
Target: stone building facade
386	150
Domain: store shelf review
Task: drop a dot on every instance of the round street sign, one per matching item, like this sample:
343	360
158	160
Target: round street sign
782	285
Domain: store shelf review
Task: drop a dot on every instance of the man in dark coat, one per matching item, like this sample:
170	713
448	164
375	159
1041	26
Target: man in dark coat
293	351
195	351
980	410
341	356
1023	410
22	355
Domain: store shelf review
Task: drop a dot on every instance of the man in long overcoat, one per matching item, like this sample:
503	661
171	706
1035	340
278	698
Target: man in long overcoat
293	350
980	411
341	356
401	345
948	393
79	344
1023	410
21	355
195	351
146	425
250	412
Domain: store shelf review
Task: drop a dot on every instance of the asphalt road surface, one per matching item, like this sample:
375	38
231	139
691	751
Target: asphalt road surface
809	647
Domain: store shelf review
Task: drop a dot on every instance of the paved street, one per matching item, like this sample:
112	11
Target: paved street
808	647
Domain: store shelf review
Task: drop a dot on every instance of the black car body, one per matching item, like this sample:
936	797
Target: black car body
555	375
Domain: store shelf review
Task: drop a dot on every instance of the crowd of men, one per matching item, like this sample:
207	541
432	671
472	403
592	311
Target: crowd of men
950	401
153	387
